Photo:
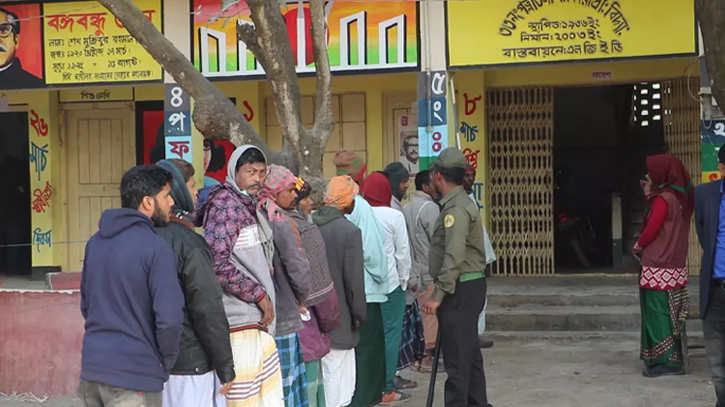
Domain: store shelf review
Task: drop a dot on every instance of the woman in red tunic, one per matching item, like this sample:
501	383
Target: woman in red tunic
662	250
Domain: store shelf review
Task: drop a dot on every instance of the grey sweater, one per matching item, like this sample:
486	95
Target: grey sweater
292	277
420	214
249	258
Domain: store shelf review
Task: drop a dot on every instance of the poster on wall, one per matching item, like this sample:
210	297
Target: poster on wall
712	133
540	31
432	116
21	56
408	142
363	36
150	124
72	43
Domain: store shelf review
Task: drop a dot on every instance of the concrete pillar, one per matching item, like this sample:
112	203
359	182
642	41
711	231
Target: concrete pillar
178	30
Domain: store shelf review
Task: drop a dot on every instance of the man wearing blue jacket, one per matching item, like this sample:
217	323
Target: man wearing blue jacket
131	298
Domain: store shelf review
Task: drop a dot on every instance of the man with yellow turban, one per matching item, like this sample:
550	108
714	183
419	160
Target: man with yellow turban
344	247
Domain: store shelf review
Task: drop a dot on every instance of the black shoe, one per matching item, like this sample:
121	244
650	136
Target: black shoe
662	370
484	344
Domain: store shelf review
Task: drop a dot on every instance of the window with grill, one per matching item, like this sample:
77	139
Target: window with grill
647	103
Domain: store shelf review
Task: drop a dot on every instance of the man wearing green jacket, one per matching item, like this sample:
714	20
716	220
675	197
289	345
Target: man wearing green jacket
457	262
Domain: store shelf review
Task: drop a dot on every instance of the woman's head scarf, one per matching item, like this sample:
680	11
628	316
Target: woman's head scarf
669	174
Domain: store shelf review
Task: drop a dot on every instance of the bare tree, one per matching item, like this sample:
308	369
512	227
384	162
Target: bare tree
711	14
216	117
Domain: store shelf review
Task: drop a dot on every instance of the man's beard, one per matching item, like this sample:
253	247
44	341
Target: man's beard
158	217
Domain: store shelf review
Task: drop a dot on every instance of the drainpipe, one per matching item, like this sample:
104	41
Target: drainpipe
455	113
428	95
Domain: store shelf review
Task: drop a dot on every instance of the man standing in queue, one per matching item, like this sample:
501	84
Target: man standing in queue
457	261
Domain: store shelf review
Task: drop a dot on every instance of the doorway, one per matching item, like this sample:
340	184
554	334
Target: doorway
602	136
15	216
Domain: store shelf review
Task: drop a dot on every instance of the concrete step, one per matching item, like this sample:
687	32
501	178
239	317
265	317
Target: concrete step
574	305
514	301
563	318
694	339
587	323
565	299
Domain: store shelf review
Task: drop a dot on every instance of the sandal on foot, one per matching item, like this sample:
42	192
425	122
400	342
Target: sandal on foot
394	398
403	384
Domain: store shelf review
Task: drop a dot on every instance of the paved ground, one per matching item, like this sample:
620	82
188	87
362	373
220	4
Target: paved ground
590	373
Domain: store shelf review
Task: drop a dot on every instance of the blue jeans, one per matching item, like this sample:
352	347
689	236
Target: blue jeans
714	329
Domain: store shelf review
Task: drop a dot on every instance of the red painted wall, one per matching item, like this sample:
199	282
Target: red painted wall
41	333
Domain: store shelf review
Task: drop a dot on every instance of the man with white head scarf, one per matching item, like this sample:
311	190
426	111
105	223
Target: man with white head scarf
243	250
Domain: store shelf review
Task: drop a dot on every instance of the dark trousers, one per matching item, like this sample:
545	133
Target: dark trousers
714	329
458	324
94	394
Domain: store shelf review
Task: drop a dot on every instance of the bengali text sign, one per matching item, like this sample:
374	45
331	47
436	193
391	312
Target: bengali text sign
536	31
85	43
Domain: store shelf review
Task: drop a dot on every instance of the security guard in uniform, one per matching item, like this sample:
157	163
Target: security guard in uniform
457	262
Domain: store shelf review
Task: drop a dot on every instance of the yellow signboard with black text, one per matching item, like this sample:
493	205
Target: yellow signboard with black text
85	43
505	32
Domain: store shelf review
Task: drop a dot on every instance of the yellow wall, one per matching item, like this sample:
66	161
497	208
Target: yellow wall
375	87
470	102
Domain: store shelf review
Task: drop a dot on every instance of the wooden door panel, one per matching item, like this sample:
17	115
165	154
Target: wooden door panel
101	147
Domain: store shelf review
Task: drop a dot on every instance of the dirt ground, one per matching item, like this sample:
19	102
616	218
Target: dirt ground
591	373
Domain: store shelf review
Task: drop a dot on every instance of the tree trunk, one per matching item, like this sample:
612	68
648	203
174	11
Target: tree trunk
711	14
275	56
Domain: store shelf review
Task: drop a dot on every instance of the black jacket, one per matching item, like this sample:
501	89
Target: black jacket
15	77
343	242
205	343
707	219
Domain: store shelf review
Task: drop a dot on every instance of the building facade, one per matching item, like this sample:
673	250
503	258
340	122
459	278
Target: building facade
556	103
564	99
527	89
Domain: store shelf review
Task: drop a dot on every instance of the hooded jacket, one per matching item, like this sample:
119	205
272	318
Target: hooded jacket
205	340
241	247
344	246
132	303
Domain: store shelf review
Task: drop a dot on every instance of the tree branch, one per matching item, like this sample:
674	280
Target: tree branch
323	93
711	14
275	56
247	34
214	115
